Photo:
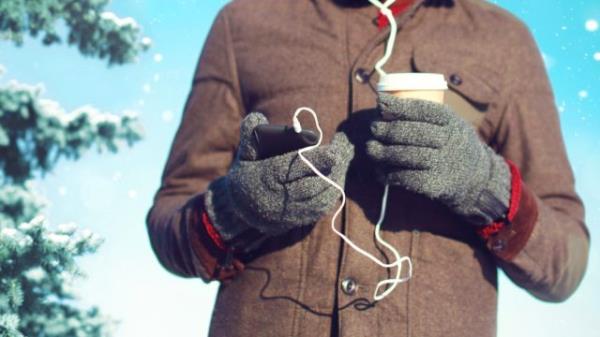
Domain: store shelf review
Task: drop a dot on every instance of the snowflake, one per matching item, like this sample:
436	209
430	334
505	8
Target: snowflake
549	61
167	115
591	25
132	194
62	191
562	106
117	176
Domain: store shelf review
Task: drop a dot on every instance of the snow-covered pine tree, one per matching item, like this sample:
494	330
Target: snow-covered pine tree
38	261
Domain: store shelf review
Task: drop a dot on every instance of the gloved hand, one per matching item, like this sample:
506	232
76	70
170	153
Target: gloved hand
276	194
424	147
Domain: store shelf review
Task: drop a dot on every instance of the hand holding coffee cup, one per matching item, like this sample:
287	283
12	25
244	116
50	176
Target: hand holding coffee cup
426	148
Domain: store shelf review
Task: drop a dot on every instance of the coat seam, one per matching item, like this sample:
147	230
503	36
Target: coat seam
414	243
301	286
235	80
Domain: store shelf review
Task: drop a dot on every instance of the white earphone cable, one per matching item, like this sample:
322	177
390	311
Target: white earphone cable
384	9
398	259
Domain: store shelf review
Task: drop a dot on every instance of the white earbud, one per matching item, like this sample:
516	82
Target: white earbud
296	124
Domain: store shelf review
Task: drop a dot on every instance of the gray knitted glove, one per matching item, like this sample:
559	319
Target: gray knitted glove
276	194
426	148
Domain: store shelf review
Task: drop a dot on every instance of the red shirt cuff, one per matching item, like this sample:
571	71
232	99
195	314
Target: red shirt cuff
514	202
509	236
208	246
212	232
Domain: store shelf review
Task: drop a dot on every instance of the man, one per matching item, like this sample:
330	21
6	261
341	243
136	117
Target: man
461	205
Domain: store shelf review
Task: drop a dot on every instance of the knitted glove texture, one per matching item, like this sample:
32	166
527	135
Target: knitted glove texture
277	194
426	148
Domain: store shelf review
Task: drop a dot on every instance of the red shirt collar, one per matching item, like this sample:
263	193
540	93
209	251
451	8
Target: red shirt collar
397	7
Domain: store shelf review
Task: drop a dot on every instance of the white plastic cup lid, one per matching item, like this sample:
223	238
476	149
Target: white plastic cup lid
412	81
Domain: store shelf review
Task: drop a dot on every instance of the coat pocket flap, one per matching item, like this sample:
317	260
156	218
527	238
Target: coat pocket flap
465	71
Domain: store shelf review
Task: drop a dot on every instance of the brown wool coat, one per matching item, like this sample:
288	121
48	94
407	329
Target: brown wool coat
274	56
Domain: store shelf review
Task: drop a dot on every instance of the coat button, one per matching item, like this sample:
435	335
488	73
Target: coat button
361	75
498	245
349	286
455	79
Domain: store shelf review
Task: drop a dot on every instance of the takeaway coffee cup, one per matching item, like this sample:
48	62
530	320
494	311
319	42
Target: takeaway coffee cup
426	86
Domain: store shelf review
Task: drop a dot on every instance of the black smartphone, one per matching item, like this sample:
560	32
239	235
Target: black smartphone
273	140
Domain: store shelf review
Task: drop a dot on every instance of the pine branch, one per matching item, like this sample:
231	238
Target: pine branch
94	31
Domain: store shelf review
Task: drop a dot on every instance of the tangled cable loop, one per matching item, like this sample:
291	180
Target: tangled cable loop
399	260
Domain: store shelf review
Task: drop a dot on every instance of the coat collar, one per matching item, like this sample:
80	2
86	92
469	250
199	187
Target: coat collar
402	9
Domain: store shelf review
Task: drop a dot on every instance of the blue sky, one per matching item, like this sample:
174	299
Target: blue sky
111	193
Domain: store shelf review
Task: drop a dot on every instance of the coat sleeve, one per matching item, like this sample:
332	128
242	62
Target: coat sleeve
203	149
545	250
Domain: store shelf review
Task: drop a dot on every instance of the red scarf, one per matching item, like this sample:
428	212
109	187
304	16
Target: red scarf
397	7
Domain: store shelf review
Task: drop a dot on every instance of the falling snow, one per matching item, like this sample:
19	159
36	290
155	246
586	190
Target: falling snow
158	58
117	175
583	94
132	194
561	106
167	116
591	25
549	61
62	191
